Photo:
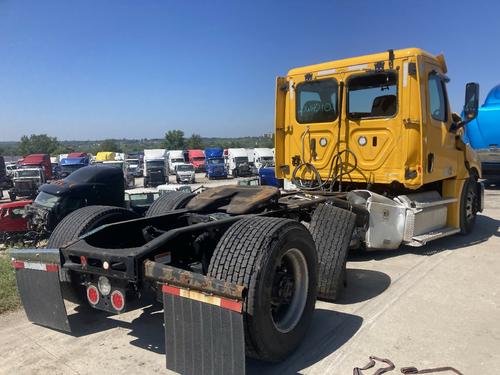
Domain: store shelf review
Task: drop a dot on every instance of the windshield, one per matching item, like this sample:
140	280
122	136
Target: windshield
155	163
267	158
241	159
185	168
316	101
199	158
177	160
27	173
70	168
46	200
141	199
216	161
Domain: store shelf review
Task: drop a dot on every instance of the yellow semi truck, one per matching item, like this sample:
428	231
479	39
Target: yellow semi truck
372	156
380	128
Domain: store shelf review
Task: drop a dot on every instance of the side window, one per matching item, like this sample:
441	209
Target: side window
372	95
437	98
316	101
17	213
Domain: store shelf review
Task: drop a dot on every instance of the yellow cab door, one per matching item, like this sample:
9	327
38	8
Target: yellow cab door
313	118
440	154
374	117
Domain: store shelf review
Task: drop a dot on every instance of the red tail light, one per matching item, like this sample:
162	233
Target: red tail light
93	294
117	300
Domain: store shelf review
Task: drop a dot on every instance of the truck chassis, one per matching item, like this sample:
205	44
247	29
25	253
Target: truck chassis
186	257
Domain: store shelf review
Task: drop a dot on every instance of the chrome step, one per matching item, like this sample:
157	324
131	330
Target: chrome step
422	239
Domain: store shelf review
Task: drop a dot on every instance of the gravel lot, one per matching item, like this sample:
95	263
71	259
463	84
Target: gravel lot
426	307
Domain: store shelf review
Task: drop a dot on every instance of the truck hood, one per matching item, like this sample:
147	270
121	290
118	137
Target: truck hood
61	188
484	131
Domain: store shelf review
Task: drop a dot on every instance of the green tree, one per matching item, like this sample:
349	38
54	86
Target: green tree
62	149
37	144
110	145
195	142
174	140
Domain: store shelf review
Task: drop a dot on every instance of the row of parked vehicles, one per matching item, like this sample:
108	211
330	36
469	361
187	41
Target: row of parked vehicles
215	162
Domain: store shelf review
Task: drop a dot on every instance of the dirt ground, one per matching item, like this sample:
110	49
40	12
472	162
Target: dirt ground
433	306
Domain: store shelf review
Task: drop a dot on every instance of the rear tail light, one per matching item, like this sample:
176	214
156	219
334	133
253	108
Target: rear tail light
117	300
93	294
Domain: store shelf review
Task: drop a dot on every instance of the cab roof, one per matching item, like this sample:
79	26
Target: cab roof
366	59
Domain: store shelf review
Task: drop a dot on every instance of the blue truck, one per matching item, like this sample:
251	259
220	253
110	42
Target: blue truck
268	177
214	160
69	165
483	134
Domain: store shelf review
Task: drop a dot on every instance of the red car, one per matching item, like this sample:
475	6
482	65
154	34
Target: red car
11	218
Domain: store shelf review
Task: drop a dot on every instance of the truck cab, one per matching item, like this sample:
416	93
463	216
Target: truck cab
185	173
26	182
214	163
155	167
174	157
87	186
381	123
71	164
41	161
483	134
237	162
263	157
197	158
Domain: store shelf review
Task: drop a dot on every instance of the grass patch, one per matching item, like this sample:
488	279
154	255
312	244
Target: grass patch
9	299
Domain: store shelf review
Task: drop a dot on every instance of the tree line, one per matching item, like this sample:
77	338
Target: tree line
173	140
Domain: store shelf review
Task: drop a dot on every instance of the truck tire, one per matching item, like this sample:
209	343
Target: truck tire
331	229
469	205
276	261
84	220
169	201
12	196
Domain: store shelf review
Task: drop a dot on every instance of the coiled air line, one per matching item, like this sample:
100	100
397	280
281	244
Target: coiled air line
336	171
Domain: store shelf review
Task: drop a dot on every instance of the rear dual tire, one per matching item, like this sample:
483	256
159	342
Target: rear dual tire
275	259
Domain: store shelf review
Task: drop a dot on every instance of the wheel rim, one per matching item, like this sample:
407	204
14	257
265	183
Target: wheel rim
470	205
289	290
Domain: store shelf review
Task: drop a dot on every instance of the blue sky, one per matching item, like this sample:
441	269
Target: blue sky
135	69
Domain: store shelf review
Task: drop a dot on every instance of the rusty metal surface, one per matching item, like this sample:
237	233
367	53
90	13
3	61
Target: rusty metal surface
237	200
191	280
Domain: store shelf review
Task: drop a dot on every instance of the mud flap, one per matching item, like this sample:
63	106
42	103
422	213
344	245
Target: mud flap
37	276
203	334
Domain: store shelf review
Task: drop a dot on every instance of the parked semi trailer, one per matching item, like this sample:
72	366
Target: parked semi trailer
483	133
367	143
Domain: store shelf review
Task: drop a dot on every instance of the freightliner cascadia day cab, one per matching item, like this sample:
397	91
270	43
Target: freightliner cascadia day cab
483	134
376	158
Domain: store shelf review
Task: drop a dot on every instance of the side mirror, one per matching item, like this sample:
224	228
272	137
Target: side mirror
471	101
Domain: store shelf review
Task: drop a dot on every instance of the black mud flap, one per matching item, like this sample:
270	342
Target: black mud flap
203	322
37	276
201	337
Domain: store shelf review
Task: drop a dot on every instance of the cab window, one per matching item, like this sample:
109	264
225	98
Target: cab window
372	95
316	101
437	98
